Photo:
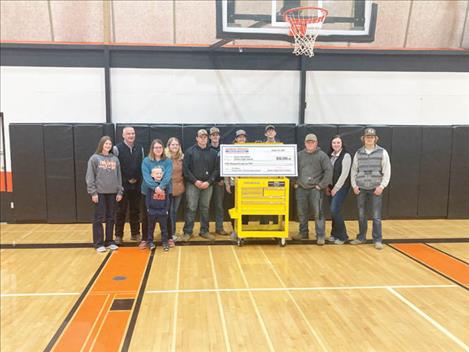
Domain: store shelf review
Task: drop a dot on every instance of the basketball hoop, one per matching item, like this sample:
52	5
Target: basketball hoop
299	19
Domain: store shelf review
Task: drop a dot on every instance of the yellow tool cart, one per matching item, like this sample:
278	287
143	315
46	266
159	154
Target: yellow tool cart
261	196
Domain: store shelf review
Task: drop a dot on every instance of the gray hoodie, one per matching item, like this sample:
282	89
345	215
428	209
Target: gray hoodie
314	169
104	175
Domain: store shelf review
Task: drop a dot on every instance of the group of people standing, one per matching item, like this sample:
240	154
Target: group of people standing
122	181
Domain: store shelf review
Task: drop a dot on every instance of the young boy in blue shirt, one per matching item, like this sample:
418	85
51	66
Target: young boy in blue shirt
157	210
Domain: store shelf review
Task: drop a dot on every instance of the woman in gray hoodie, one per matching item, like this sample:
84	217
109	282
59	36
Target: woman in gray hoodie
104	184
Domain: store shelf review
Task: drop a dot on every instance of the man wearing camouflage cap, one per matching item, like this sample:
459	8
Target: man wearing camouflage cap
370	174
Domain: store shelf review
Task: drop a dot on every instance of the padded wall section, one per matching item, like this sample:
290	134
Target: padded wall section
60	173
323	132
86	138
434	171
27	163
405	170
458	202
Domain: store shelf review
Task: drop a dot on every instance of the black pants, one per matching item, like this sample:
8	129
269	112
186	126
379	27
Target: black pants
163	222
104	211
130	200
143	217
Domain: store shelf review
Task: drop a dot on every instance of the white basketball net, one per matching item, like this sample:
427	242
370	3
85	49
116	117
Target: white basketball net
299	20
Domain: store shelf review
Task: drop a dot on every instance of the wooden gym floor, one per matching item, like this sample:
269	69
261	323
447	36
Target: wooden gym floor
58	294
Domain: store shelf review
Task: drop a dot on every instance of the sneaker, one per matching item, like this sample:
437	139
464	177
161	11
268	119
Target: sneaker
331	239
186	237
222	233
142	245
165	247
136	237
321	241
171	243
378	245
339	242
101	249
112	247
356	241
207	236
151	245
234	236
118	240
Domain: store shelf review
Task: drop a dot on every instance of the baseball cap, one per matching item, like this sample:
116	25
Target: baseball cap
268	127
201	132
369	132
214	130
240	133
311	137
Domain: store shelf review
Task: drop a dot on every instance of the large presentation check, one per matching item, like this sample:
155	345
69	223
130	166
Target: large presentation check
258	160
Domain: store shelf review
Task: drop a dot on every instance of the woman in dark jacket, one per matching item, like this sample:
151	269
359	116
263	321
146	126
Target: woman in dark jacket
341	162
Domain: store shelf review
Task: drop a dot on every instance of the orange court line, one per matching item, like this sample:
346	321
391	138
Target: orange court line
94	326
448	266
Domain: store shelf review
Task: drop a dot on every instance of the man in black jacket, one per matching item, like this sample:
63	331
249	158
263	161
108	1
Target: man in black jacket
130	156
201	169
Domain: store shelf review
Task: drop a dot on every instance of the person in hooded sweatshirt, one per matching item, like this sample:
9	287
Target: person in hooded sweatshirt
104	185
314	176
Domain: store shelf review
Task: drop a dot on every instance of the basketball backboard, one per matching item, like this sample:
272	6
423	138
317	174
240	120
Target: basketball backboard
348	20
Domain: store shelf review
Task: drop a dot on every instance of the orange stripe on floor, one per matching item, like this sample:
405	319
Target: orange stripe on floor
441	262
100	322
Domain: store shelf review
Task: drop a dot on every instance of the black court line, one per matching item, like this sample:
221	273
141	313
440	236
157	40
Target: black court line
448	254
256	241
432	269
138	303
75	307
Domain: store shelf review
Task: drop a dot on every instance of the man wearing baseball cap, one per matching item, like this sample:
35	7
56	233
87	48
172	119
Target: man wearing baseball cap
218	195
314	176
370	174
201	170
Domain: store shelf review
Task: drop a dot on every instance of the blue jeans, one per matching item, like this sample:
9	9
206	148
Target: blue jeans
364	198
173	212
307	200
218	196
338	224
104	211
197	198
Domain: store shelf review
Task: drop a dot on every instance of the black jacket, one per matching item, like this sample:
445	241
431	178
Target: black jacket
201	164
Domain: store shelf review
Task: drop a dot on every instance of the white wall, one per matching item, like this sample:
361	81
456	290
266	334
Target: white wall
51	95
393	98
204	96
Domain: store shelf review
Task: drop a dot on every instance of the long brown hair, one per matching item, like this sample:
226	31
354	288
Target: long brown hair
104	139
151	153
179	155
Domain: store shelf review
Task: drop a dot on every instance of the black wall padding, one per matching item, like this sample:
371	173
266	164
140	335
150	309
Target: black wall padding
323	132
142	135
60	173
108	130
86	138
405	170
458	202
434	171
29	180
165	132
